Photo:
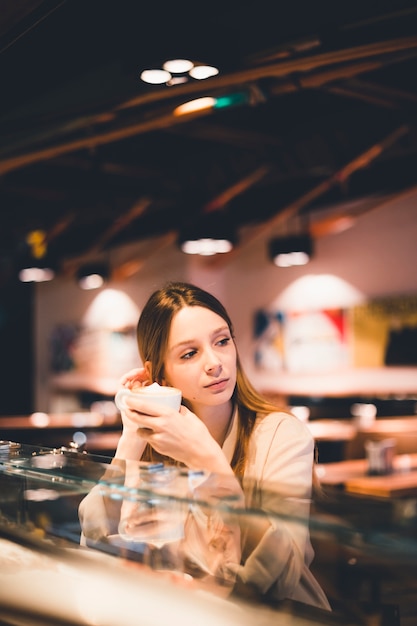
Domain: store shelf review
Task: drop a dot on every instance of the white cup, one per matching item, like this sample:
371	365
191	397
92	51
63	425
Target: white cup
166	396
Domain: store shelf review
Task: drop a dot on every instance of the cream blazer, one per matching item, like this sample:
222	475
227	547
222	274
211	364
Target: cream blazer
278	481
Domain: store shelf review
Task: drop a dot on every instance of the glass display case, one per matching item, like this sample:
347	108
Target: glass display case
146	557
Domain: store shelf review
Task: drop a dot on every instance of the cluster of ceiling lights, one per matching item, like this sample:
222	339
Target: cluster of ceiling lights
178	71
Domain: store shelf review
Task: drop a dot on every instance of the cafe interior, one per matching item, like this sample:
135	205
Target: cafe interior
266	152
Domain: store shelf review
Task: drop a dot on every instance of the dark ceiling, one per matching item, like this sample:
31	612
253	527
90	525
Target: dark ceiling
325	117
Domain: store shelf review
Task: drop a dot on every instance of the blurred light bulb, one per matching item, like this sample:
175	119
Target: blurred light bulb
178	66
155	77
200	72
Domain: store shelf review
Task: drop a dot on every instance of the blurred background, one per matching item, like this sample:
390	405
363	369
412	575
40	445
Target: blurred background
135	138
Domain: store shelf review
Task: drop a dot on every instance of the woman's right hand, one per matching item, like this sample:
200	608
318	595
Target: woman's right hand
131	445
136	377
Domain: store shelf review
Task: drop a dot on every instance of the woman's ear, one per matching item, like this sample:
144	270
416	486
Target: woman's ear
148	369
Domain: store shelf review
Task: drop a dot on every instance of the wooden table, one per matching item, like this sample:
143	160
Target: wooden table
352	476
332	430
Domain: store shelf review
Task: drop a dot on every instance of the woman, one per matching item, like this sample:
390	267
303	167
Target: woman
227	429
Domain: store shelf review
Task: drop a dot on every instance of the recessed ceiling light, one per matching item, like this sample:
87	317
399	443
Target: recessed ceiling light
155	77
178	66
199	72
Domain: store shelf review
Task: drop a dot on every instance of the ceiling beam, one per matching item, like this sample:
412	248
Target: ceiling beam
381	52
281	69
124	220
338	178
378	95
220	201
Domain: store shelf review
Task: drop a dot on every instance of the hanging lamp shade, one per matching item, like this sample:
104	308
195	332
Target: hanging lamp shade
92	275
290	251
210	234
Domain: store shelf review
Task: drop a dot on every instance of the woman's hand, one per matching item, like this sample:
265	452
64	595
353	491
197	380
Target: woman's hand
131	445
134	378
179	435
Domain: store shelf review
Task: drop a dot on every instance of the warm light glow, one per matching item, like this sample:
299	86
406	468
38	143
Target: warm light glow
36	274
37	241
40	420
291	258
318	291
364	413
178	66
332	225
155	77
207	246
195	105
92	281
200	72
111	309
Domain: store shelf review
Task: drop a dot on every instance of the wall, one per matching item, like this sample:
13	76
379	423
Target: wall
377	257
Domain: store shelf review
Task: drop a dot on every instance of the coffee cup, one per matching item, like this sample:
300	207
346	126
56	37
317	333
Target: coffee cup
165	396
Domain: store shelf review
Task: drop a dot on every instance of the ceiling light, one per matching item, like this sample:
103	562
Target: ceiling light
92	276
155	77
35	264
178	66
207	237
36	274
290	251
206	246
200	72
195	105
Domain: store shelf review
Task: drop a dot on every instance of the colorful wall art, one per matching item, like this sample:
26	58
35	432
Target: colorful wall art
377	333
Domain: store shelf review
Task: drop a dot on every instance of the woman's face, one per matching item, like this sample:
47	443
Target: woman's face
201	357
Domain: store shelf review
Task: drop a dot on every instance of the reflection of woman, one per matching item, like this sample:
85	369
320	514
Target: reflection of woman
185	339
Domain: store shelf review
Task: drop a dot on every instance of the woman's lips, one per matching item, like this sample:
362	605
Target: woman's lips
218	385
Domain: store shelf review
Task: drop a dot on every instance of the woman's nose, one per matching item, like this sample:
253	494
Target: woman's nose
213	366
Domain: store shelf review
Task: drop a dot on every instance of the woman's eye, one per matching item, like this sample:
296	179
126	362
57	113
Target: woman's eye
188	354
224	341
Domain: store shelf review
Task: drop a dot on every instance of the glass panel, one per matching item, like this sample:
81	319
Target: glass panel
101	538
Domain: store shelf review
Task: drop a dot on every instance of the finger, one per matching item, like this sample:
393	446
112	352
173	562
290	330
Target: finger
137	375
148	408
145	433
